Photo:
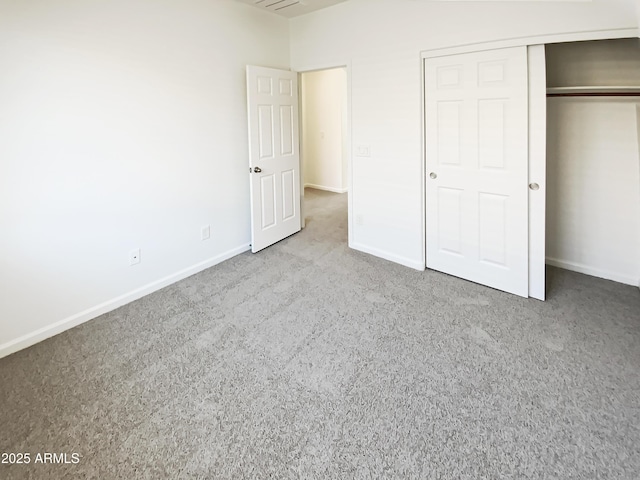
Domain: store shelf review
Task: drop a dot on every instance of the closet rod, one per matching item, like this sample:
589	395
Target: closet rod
594	94
594	91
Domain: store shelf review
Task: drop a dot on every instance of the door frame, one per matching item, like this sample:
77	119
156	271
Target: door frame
537	132
315	68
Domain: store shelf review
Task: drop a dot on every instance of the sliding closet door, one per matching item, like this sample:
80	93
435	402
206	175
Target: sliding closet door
537	171
476	108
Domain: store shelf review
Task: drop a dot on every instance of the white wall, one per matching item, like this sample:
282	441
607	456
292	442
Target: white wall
594	63
122	126
381	40
593	187
323	126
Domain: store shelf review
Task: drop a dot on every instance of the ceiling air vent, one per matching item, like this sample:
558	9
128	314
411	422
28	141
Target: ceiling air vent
291	8
277	6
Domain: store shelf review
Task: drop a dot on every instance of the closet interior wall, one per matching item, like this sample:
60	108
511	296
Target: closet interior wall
593	158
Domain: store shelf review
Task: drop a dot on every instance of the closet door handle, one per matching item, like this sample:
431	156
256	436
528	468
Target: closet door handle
534	186
257	170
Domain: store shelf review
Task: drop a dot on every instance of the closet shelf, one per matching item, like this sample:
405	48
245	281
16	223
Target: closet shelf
593	91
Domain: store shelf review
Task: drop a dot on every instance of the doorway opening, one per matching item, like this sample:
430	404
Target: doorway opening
593	158
324	151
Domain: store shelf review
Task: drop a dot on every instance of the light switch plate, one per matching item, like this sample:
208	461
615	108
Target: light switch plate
363	151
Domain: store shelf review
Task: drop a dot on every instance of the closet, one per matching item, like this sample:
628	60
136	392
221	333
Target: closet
593	158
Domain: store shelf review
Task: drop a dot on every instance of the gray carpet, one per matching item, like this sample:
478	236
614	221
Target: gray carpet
310	360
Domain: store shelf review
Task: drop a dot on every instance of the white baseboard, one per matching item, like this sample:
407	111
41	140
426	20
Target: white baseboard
326	189
594	272
105	307
392	257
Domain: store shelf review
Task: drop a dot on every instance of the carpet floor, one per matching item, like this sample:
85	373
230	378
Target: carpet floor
311	360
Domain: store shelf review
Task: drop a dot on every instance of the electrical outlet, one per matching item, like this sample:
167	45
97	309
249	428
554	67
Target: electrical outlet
205	232
134	257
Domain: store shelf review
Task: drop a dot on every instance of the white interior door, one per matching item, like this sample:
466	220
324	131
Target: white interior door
274	155
477	167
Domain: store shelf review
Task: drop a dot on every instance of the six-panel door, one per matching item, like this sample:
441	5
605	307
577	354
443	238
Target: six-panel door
274	155
477	167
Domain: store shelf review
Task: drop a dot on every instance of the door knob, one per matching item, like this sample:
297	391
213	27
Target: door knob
534	186
433	175
257	170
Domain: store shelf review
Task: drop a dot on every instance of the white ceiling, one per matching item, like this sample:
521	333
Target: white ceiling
295	8
291	8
